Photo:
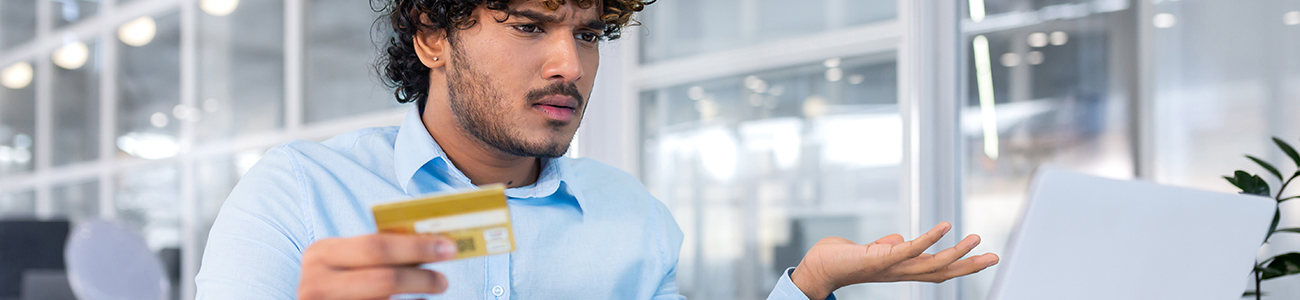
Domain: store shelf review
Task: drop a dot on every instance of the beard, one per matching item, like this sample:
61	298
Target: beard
484	113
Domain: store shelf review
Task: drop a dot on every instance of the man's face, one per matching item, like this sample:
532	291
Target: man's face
521	85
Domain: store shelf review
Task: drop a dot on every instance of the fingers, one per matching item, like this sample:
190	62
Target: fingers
378	250
933	263
960	268
380	283
893	239
909	249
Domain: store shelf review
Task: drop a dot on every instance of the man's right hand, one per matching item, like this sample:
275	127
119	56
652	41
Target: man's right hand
373	267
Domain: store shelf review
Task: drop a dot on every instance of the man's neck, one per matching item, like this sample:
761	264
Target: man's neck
478	161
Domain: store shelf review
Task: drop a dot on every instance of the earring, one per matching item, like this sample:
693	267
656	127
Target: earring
435	58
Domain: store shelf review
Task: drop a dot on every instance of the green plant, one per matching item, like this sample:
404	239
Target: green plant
1282	264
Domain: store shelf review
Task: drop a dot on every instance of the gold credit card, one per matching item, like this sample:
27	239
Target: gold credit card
479	220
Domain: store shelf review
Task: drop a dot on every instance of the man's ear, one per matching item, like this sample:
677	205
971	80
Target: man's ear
431	47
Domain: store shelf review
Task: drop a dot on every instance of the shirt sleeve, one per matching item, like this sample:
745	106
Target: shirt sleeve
786	290
670	243
254	249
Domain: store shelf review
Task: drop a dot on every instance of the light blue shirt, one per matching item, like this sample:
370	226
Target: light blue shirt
584	230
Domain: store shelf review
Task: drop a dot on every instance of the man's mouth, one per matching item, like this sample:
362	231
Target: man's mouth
557	107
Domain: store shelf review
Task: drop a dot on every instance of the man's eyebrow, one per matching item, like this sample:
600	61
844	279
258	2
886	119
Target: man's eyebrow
544	18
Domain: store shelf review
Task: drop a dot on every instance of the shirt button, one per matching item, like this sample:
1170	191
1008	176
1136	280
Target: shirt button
498	291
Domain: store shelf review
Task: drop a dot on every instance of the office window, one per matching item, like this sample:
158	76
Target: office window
1227	80
76	201
1051	89
148	200
17	22
1223	91
758	167
343	43
677	29
70	11
240	70
76	102
17	118
148	111
18	205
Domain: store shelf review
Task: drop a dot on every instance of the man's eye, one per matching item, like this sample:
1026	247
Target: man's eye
529	28
589	37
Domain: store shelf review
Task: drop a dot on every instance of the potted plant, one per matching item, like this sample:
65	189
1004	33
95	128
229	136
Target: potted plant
1282	264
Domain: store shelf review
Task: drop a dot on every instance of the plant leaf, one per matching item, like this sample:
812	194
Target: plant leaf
1295	157
1288	198
1277	217
1282	265
1233	181
1252	184
1291	230
1267	166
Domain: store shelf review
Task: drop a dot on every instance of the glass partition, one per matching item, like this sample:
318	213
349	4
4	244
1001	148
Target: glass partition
343	44
683	28
758	167
241	70
1225	81
70	11
76	102
148	104
1047	83
17	118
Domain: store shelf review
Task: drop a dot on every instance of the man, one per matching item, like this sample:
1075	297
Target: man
500	88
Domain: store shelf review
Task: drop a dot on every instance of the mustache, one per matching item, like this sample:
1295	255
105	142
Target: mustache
557	88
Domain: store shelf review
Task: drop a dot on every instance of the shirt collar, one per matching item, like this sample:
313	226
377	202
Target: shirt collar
414	148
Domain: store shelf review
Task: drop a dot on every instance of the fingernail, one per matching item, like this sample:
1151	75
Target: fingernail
446	248
992	263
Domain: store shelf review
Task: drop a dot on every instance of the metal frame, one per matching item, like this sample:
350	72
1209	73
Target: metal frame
930	85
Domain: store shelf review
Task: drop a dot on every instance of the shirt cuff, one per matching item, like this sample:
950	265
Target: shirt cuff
786	290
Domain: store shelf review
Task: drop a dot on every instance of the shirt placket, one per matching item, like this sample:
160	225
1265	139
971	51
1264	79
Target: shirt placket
498	283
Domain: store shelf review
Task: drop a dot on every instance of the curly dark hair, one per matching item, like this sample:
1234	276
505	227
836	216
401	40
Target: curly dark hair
403	70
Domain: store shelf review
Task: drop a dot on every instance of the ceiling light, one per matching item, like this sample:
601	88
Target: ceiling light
1037	39
138	32
856	79
832	63
148	145
17	75
219	8
1165	20
158	120
834	74
814	107
1034	58
977	10
755	84
1059	38
984	84
1010	59
695	93
71	56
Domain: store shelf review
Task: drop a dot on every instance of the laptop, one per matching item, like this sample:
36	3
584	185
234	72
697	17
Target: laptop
1085	237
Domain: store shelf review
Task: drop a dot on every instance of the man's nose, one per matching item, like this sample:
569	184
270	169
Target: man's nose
562	62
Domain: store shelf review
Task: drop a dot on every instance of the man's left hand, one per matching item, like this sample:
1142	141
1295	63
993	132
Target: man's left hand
836	262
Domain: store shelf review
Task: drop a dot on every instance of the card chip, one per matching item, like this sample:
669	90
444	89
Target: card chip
465	245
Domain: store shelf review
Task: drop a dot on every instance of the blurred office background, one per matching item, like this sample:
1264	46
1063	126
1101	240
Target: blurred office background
764	125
